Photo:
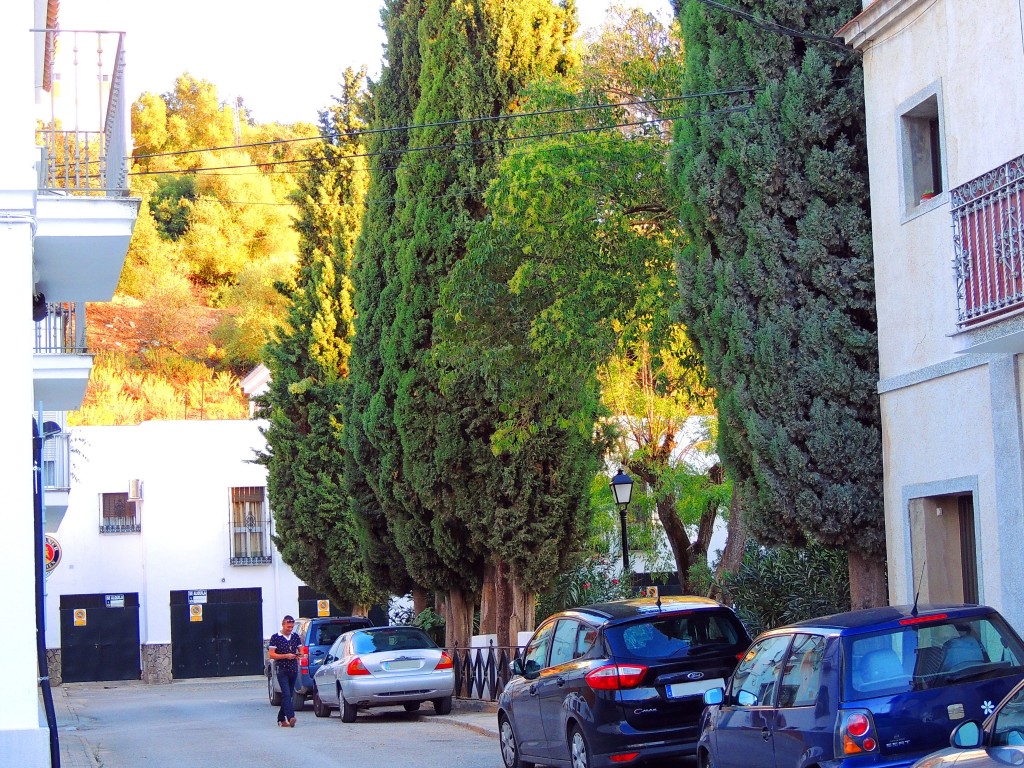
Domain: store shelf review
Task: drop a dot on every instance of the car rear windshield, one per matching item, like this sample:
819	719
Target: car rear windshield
677	635
928	653
391	639
326	634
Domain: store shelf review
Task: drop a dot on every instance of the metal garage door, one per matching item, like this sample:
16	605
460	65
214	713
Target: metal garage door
216	632
99	637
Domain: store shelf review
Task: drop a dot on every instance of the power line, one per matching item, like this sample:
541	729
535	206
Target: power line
771	26
462	121
459	145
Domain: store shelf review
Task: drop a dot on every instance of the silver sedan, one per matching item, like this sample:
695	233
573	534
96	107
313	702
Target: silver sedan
383	667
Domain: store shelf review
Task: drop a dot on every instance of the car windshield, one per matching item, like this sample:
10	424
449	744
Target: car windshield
391	639
676	635
930	654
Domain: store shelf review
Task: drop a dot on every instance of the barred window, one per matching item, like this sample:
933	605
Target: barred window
118	514
250	526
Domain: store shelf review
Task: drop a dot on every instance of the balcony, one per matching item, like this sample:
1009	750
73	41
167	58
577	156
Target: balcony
55	460
988	243
84	212
61	364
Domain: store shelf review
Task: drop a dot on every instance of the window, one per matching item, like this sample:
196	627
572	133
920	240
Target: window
922	148
1008	729
118	514
564	643
535	658
250	527
757	674
801	678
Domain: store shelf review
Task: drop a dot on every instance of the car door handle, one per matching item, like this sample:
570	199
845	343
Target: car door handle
766	734
560	682
533	689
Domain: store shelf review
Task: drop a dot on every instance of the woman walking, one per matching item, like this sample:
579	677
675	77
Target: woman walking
284	650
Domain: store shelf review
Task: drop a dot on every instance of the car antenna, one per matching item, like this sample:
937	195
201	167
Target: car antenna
658	601
917	592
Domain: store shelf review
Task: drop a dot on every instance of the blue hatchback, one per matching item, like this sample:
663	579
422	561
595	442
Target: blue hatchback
880	687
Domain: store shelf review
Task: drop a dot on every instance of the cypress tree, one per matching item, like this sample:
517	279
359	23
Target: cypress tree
308	361
776	282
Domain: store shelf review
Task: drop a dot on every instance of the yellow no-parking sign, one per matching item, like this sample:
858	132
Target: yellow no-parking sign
195	612
323	607
80	617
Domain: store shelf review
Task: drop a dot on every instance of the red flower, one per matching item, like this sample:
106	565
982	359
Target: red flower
586	585
615	581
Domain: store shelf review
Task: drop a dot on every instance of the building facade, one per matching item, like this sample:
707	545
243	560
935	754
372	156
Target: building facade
944	102
167	567
66	218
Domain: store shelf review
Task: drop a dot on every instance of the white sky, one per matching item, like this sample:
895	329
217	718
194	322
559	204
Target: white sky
284	59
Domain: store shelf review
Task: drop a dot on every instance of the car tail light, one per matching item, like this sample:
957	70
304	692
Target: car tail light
304	656
615	677
625	757
356	667
923	619
855	733
445	662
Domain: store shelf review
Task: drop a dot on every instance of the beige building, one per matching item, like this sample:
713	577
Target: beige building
945	104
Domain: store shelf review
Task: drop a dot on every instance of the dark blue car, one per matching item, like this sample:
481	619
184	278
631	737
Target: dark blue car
880	687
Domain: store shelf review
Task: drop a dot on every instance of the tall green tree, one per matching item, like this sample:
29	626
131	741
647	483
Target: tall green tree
308	360
475	60
776	281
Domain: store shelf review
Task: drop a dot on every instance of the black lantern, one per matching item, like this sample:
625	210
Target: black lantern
622	491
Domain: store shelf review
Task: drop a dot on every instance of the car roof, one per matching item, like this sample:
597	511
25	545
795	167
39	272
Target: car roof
887	617
631	608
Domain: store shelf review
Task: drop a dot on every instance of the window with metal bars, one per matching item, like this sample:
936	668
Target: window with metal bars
118	514
249	526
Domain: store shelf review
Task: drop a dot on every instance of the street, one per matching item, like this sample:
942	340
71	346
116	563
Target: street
227	722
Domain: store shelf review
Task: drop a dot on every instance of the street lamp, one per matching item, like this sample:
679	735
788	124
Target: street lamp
622	490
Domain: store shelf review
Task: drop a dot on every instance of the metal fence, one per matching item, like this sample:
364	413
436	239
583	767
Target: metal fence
481	673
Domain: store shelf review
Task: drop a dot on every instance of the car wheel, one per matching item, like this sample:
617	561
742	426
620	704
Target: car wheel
509	746
274	695
319	708
348	711
411	706
705	760
299	702
579	751
443	706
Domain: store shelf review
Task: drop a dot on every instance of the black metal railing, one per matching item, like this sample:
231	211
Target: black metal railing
125	524
481	673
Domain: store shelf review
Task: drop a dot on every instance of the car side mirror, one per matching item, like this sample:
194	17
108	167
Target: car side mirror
746	699
967	735
531	670
516	666
714	696
328	659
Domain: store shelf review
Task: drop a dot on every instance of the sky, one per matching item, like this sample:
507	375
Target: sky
285	65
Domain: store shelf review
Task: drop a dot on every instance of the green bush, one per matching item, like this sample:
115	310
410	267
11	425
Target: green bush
779	586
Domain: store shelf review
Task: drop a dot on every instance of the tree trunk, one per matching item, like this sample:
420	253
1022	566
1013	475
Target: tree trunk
678	539
867	581
735	543
419	600
522	617
358	609
458	627
490	611
503	603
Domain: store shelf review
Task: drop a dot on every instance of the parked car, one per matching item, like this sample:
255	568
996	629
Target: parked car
617	682
998	741
880	687
380	667
317	635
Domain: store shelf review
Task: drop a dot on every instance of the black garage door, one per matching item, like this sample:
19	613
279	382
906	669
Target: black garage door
216	632
99	637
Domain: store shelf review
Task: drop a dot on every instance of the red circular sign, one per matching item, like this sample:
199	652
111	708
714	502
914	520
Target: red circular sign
52	550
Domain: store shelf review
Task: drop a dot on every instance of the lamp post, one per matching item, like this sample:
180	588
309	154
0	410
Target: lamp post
622	490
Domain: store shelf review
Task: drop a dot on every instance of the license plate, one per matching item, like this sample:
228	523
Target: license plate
695	688
397	666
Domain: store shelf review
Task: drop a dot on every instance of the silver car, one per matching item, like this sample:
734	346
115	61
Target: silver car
383	667
999	741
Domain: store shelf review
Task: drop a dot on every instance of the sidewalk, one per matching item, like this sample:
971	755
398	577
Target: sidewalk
474	715
74	749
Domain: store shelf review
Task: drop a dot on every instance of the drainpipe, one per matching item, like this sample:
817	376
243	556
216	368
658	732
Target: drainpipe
44	672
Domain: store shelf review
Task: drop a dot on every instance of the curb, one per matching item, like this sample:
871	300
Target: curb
482	730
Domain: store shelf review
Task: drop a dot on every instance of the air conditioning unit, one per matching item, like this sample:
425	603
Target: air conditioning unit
134	490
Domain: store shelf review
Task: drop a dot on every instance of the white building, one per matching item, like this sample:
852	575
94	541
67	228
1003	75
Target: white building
944	105
65	223
167	565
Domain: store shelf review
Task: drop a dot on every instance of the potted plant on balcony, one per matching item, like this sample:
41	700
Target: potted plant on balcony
927	195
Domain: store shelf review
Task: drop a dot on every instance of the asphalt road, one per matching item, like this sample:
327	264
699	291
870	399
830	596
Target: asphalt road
228	722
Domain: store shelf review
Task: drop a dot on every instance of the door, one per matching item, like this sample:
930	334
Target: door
943	545
804	720
99	637
216	632
525	704
746	719
560	678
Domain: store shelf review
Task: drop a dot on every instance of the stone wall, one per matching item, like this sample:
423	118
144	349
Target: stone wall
53	666
156	663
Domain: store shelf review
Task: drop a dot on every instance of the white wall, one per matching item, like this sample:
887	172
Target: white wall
187	469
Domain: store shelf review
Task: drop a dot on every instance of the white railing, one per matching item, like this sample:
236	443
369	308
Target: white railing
62	329
86	137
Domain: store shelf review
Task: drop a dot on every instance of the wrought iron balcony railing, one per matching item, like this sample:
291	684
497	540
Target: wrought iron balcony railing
988	243
62	330
85	139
